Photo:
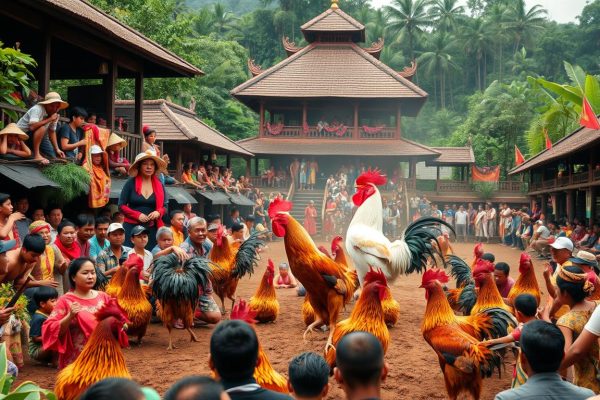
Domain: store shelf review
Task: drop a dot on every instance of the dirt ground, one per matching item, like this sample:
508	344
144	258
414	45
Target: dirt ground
414	370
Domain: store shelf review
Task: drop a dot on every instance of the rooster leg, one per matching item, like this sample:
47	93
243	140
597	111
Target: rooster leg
310	328
223	312
193	337
232	301
329	345
171	345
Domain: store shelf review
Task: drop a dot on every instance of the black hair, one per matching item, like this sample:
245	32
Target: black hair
75	266
526	304
113	388
308	374
174	213
78	112
236	227
234	350
64	223
574	289
101	220
250	218
233	210
543	344
84	219
52	208
489	257
504	267
359	357
212	218
34	242
205	388
44	293
4	197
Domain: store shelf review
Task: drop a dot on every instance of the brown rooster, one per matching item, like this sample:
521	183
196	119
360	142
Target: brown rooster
175	287
367	315
462	358
327	283
232	263
101	356
264	302
115	283
132	299
526	282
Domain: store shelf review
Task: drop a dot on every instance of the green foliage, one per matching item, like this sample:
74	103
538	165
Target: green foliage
15	77
6	293
25	391
485	190
73	180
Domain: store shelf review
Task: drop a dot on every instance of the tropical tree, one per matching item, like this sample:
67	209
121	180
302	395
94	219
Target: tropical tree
409	18
524	24
446	14
222	19
437	61
478	40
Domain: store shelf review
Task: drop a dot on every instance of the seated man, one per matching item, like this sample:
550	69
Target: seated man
234	356
542	350
360	367
71	134
22	261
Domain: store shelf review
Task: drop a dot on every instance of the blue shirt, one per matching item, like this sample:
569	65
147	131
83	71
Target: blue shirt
95	247
35	325
191	251
65	131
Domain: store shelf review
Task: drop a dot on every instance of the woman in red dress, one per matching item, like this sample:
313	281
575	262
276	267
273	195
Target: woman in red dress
310	218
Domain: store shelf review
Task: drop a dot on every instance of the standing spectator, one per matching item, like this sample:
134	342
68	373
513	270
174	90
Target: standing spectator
294	171
71	135
99	242
414	205
22	206
85	231
8	220
38	215
54	218
303	171
40	123
66	241
187	213
516	226
45	299
526	232
139	238
143	199
52	265
448	215
480	224
308	376
313	169
310	218
491	221
178	227
108	260
471	221
462	223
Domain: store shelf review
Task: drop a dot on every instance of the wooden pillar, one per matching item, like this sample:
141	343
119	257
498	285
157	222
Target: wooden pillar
398	131
110	87
228	160
261	126
179	161
570	204
355	132
590	207
437	177
248	167
543	206
44	66
256	173
138	104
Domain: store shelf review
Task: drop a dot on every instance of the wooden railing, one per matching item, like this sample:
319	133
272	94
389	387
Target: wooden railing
512	186
314	132
453	186
580	178
385	133
596	175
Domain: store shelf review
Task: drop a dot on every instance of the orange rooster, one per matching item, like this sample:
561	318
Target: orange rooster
264	302
367	315
462	358
232	263
328	284
115	283
264	374
101	356
477	254
526	282
132	299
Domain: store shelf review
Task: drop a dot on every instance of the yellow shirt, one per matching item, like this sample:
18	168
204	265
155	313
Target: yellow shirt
178	237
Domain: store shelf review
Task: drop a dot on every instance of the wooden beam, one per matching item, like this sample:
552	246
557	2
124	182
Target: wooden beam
355	133
110	86
398	134
138	103
261	126
248	167
304	116
228	160
44	65
179	161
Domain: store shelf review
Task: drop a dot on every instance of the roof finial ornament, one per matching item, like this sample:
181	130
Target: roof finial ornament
334	4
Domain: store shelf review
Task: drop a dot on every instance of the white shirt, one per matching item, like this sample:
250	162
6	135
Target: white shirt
461	217
543	231
148	257
593	324
33	115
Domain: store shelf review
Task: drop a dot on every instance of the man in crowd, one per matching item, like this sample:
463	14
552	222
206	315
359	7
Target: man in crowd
503	280
85	231
561	251
539	241
99	242
5	246
54	218
22	206
472	212
21	261
542	350
178	227
108	260
70	135
360	367
308	377
448	214
237	233
196	387
462	223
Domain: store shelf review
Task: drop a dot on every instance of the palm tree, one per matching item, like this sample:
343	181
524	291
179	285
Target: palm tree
222	19
446	14
438	61
496	17
409	18
377	26
478	39
525	24
203	22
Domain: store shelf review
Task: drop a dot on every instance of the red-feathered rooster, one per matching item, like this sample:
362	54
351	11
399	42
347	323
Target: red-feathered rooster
526	282
328	284
132	299
175	287
264	302
366	316
101	356
477	254
232	263
462	358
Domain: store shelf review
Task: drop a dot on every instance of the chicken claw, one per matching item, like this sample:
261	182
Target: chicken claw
311	329
193	337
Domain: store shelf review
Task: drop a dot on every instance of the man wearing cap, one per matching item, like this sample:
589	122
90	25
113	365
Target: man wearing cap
211	232
40	120
561	251
108	260
139	238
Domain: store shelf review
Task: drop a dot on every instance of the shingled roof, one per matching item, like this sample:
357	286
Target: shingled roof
175	123
578	140
453	156
333	20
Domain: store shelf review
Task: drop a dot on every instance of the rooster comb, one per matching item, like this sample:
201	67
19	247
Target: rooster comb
483	266
434	274
525	258
373	176
111	309
279	205
133	260
220	230
478	250
241	311
270	266
375	276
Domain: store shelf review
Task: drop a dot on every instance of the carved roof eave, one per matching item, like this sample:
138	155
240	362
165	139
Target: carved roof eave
290	47
409	72
375	48
254	69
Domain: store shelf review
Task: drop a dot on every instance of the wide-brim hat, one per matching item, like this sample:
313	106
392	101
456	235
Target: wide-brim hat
53	97
13	129
161	165
116	139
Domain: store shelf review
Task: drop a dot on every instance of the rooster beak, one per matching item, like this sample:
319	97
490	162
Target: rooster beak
421	286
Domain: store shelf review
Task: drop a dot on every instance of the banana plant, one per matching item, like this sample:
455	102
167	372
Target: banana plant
25	391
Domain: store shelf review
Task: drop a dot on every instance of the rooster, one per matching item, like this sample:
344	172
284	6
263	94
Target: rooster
526	282
101	356
328	284
477	254
264	302
176	289
232	263
462	358
132	299
264	374
114	285
367	315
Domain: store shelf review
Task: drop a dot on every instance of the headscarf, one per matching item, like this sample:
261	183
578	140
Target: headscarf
72	252
37	226
572	277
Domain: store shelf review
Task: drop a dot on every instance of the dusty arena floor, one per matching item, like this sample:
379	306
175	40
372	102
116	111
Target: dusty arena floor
414	369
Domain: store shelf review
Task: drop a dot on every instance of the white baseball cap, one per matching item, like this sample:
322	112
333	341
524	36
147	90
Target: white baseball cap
562	243
115	226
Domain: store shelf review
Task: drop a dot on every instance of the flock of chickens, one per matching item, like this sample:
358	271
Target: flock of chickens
364	268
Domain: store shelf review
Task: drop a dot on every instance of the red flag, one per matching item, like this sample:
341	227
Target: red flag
548	141
519	159
588	117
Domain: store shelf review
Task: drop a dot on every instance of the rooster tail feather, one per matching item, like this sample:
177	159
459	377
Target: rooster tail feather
101	280
467	298
246	259
419	237
460	271
172	280
501	320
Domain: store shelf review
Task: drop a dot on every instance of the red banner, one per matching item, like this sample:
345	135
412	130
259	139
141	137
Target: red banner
372	130
339	130
275	129
485	174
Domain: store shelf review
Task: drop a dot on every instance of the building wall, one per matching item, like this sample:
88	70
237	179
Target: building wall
424	172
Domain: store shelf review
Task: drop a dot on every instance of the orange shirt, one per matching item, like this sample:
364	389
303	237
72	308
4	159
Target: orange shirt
178	237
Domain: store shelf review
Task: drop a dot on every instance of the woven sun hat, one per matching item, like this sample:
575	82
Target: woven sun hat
53	97
161	165
13	129
584	257
116	139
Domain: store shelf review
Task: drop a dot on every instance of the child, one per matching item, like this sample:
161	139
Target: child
308	377
139	239
285	279
117	164
164	246
45	298
526	309
12	142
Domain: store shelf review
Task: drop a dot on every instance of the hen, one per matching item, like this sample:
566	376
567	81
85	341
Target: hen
101	356
264	302
526	282
132	299
176	289
232	263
